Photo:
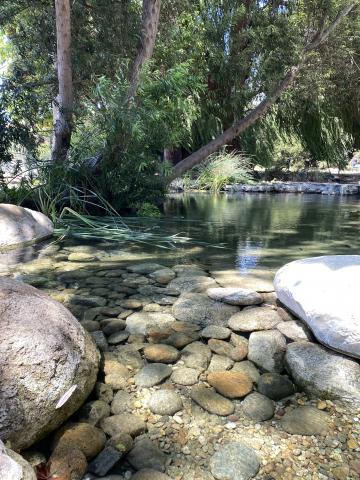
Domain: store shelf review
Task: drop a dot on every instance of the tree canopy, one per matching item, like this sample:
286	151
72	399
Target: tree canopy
212	63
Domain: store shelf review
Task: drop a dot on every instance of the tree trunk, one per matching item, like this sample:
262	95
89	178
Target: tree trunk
240	126
149	28
63	104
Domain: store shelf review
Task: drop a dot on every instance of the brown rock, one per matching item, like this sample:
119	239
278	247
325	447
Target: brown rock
67	462
87	438
116	374
161	353
239	353
220	347
230	384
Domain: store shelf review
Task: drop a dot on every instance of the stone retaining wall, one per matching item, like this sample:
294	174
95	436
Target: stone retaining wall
298	187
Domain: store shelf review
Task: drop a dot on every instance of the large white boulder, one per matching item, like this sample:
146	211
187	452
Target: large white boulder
22	226
48	364
324	292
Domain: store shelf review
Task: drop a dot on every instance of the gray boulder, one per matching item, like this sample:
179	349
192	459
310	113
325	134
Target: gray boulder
324	293
21	226
49	364
323	373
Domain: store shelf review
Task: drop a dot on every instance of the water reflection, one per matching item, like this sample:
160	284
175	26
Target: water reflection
269	230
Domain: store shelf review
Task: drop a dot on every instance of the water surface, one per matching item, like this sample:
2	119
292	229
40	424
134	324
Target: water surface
253	233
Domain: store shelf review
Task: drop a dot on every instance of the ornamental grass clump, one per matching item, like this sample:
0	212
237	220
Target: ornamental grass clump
223	169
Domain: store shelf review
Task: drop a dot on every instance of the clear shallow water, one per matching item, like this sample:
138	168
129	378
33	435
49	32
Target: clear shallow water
258	232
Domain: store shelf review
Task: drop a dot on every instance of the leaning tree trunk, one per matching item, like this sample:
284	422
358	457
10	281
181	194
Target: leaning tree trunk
240	126
63	104
149	28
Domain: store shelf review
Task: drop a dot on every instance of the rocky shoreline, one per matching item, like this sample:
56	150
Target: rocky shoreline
297	187
196	381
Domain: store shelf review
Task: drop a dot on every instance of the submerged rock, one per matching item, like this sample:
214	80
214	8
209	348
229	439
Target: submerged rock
145	454
275	386
235	296
49	364
211	401
258	407
200	309
234	461
253	319
230	384
165	402
152	374
192	284
143	322
306	421
324	293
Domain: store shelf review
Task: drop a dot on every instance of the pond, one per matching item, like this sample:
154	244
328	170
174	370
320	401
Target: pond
254	234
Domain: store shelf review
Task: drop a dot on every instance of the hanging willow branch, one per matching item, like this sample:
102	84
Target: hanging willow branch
240	126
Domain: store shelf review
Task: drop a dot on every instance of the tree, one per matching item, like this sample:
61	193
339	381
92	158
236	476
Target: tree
240	126
149	28
64	103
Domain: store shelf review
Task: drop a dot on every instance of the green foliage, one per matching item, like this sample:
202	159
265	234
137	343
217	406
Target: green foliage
133	136
148	210
222	169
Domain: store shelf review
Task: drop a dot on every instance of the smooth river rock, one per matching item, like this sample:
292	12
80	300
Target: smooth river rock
235	296
49	364
253	319
230	384
324	293
143	322
267	349
234	461
258	407
323	373
198	308
192	284
211	401
165	402
306	421
152	374
21	226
